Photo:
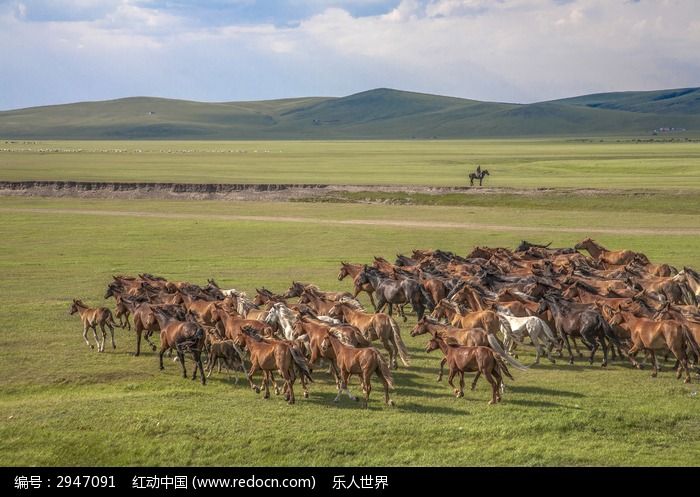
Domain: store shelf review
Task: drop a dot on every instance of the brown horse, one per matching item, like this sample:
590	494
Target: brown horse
233	324
93	317
378	326
651	336
615	258
354	270
363	362
182	336
482	360
486	320
275	355
145	320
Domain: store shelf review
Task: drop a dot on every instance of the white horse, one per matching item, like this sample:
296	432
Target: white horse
515	328
283	318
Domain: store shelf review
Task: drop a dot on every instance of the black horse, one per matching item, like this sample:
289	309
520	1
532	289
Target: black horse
478	175
399	292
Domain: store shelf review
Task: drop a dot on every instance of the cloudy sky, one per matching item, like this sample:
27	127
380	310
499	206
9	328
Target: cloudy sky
222	50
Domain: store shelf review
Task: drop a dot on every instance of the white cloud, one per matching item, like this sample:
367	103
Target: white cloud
507	50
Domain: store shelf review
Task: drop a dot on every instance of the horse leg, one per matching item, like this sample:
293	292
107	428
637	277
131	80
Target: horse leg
449	380
346	379
654	364
87	342
210	364
367	386
593	350
604	345
494	387
442	364
97	342
392	352
568	347
267	376
198	358
138	339
289	386
384	381
578	352
538	347
163	348
632	354
181	357
147	337
249	374
499	381
461	383
476	378
111	331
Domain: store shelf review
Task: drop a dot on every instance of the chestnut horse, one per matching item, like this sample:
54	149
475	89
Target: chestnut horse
91	318
482	360
269	356
649	335
363	362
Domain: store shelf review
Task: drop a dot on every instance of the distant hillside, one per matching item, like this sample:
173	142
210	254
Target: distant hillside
374	114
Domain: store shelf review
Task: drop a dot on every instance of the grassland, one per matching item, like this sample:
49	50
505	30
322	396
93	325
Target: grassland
624	164
62	404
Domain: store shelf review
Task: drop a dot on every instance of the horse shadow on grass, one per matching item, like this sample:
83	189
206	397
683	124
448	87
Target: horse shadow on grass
543	391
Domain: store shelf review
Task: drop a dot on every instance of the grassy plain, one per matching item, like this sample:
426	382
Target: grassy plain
575	163
62	404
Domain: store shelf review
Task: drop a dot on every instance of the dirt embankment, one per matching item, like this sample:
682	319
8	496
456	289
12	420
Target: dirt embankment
243	191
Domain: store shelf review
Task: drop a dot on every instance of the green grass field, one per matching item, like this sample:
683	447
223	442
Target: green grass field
62	404
513	163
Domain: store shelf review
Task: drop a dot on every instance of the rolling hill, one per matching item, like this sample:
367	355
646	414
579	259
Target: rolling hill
374	114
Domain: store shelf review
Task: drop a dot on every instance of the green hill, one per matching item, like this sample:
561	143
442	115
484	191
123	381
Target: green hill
375	114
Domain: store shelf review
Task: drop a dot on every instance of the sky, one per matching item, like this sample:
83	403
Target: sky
521	51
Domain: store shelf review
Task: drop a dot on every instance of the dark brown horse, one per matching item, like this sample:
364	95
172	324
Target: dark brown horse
182	336
579	320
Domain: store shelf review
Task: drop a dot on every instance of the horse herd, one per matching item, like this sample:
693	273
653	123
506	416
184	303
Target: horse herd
476	310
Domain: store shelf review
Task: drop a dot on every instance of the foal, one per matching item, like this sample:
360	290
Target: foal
461	359
91	318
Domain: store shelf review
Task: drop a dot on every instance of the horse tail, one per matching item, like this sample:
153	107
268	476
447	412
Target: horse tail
498	349
501	365
384	369
547	330
427	297
301	362
398	342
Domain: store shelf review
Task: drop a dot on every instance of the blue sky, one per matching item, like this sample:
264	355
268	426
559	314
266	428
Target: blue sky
225	50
